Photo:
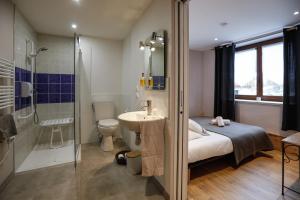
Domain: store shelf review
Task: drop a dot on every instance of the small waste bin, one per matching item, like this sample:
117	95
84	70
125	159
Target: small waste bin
134	162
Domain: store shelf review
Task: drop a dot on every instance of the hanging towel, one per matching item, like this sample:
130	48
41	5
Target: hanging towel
7	127
152	136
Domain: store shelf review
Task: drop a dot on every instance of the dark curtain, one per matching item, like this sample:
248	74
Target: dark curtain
224	82
291	91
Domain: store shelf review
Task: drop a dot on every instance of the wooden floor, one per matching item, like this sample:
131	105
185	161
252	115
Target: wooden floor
255	179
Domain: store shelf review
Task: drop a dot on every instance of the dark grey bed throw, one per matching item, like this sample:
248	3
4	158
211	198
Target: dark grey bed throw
246	139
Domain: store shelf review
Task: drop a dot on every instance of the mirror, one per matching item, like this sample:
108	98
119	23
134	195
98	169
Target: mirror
155	60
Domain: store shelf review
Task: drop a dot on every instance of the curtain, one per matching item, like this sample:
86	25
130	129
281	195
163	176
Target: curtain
224	82
291	88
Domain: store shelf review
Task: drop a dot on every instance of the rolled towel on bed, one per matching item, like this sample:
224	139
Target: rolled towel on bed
220	121
226	122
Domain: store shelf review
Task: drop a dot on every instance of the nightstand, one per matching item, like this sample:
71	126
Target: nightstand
293	140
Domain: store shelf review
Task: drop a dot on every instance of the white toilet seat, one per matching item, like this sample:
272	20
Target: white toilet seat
107	123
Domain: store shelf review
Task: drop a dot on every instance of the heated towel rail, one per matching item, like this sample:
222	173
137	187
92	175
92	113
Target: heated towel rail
7	90
7	96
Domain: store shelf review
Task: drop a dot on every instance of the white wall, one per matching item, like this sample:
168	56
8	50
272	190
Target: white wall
195	83
7	30
208	83
100	80
265	115
157	17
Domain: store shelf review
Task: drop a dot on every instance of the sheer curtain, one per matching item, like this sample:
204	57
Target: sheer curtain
224	82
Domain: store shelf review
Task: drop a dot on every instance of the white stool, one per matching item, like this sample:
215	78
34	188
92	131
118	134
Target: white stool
56	127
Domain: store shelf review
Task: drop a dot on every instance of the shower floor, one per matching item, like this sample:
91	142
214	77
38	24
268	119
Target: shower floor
42	156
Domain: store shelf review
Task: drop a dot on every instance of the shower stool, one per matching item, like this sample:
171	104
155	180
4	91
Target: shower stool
56	127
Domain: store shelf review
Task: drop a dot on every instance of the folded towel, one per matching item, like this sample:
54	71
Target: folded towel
220	121
225	121
7	127
152	136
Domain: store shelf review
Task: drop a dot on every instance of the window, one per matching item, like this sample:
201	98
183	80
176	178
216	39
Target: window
246	72
259	71
272	68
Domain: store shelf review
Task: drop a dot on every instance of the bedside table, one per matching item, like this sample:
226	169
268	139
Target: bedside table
292	140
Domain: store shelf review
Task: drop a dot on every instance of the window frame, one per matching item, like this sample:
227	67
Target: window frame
259	84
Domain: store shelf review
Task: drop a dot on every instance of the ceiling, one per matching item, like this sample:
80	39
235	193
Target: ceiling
245	18
111	19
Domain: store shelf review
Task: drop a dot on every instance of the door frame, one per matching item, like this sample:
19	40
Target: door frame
181	92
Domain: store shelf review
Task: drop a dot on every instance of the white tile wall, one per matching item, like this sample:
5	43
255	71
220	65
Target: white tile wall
59	59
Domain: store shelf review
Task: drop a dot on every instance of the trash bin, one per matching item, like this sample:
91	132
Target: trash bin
134	162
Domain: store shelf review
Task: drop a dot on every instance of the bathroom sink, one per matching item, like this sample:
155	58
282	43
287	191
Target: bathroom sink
132	120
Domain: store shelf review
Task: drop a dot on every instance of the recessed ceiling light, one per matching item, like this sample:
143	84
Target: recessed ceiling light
216	39
76	1
296	13
74	26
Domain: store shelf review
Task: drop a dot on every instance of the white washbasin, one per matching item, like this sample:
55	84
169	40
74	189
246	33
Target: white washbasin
132	120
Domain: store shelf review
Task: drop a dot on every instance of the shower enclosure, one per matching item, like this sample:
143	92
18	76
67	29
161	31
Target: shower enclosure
46	98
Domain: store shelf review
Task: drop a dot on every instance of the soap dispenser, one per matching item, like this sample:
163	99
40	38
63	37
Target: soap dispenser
150	81
142	81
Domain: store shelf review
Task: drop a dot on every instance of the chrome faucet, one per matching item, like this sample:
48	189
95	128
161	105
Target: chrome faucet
149	107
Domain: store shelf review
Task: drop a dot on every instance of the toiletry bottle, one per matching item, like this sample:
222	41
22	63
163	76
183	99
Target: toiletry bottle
150	81
142	81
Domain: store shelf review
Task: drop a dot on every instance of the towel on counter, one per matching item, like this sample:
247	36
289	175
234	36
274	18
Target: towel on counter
152	143
7	127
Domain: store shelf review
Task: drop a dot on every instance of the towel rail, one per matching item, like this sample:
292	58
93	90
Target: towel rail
7	106
7	89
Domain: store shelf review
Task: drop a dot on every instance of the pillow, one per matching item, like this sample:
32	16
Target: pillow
193	135
194	126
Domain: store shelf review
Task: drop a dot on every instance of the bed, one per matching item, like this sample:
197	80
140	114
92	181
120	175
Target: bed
241	140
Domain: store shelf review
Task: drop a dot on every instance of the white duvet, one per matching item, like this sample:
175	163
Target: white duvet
208	147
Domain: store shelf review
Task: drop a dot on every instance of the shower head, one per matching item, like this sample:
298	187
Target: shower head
41	49
38	51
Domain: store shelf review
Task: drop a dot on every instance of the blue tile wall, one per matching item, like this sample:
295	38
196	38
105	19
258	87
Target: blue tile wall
51	88
21	75
158	82
55	88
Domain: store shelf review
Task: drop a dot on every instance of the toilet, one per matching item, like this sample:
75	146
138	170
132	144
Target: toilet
106	124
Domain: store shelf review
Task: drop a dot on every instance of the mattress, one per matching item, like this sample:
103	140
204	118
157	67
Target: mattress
246	139
208	147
